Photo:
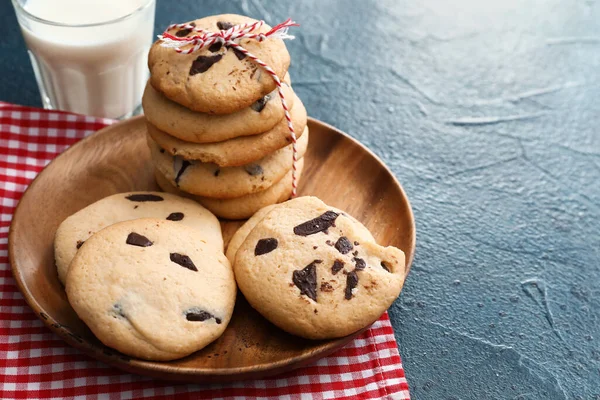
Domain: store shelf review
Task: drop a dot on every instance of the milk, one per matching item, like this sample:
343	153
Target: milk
97	70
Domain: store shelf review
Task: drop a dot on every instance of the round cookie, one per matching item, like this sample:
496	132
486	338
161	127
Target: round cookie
196	127
77	228
217	79
244	206
210	180
152	289
328	281
242	233
238	151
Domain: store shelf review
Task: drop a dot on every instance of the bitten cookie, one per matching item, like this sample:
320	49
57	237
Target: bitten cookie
217	79
244	206
76	229
152	289
328	279
196	127
210	180
238	151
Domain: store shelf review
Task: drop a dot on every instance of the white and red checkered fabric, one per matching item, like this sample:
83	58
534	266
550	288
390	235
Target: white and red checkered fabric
37	364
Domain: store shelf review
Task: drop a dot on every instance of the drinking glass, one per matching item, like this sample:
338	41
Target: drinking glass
89	56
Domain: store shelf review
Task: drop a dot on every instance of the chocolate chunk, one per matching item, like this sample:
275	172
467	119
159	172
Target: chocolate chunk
238	53
203	63
184	32
135	239
306	279
216	46
176	216
337	266
265	246
343	245
351	282
183	260
384	265
196	314
180	165
356	243
316	225
355	253
144	197
253	169
326	287
217	172
260	104
80	243
359	263
222	25
118	311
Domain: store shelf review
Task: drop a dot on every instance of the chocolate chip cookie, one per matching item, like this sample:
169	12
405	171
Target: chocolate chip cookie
152	289
244	206
217	79
197	127
328	278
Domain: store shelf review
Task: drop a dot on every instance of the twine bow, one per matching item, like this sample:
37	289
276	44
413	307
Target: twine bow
230	37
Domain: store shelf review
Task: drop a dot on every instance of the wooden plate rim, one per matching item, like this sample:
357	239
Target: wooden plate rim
125	362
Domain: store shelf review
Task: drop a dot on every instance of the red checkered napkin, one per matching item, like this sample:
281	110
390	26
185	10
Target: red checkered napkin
35	363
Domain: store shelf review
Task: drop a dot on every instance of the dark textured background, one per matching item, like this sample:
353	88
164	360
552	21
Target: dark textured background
486	111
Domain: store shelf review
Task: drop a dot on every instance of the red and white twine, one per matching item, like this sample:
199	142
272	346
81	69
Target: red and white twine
228	37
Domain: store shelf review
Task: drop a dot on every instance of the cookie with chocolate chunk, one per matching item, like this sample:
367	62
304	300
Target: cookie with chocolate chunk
74	231
238	151
211	180
197	127
244	206
217	79
329	278
152	288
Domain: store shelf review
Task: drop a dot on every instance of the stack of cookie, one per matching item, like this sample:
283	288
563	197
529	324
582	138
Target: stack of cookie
216	125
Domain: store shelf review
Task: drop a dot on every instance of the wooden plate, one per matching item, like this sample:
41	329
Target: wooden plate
339	170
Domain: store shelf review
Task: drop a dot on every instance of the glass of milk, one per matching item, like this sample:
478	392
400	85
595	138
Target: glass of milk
89	56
